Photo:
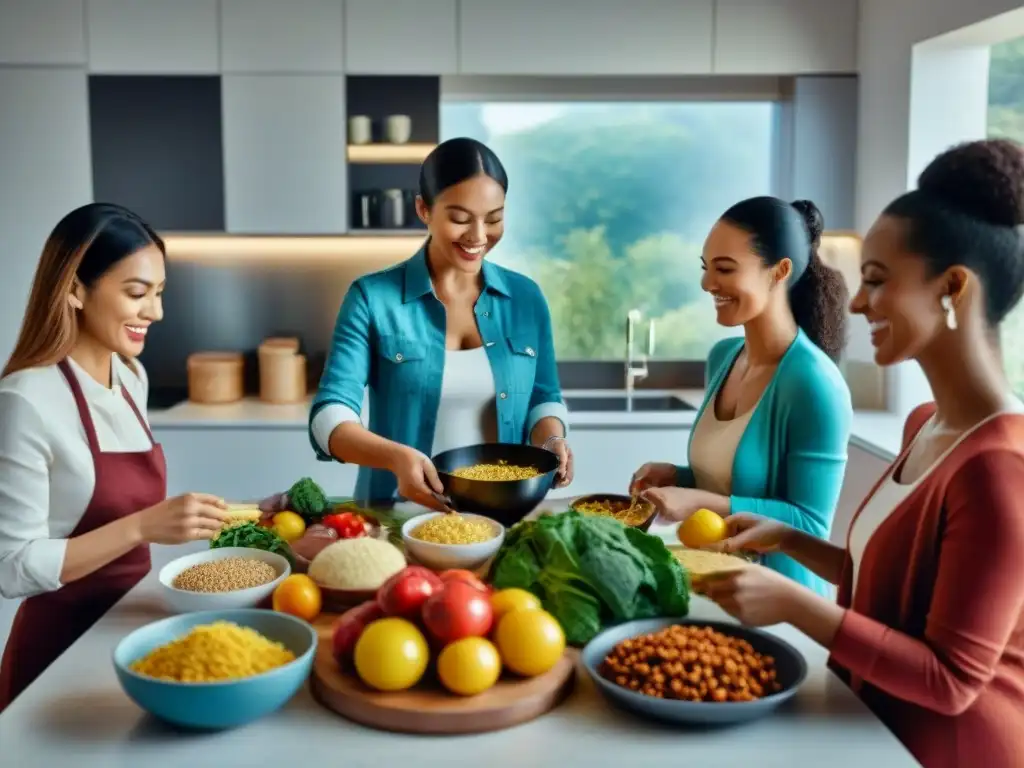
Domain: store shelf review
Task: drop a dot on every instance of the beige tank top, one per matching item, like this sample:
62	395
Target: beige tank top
713	449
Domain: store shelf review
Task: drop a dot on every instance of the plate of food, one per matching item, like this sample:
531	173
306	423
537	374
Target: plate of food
631	511
694	672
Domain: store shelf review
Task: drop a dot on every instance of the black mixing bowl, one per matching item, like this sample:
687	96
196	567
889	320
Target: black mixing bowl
507	501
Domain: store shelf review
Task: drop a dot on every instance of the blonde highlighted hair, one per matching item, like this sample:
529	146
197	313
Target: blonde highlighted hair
83	246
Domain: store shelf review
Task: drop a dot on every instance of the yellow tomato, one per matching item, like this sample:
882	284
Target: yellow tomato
288	525
513	599
391	655
701	528
298	595
469	666
530	642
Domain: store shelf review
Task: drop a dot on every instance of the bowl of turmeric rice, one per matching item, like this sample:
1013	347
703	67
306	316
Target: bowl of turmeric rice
213	670
504	481
441	540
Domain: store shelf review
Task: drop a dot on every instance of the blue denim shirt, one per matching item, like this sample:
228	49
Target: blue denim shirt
390	336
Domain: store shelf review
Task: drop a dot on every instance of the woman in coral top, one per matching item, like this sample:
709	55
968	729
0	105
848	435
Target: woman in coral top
929	625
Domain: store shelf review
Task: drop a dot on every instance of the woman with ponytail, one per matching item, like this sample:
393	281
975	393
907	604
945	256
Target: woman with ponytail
771	435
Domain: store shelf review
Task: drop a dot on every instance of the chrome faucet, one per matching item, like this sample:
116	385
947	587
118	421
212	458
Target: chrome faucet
636	372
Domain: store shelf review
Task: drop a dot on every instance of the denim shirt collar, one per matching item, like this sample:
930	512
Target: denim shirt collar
417	277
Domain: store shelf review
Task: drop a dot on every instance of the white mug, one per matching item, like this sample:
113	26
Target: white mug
398	129
360	130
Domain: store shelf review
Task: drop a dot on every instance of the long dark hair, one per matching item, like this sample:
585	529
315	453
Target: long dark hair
83	246
817	293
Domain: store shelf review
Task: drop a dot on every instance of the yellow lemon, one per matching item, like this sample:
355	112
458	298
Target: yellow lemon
289	525
530	642
469	666
701	528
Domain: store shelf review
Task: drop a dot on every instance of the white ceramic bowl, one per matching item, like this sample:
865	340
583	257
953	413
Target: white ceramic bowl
441	557
184	601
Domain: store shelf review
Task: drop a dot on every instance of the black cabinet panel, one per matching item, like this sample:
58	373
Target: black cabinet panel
157	148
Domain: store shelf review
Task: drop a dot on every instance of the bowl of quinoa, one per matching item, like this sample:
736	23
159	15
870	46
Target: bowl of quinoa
216	579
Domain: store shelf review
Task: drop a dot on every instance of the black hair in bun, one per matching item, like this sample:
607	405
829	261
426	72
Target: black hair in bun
968	210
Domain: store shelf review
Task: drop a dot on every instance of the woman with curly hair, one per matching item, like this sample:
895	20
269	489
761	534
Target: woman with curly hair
929	627
771	436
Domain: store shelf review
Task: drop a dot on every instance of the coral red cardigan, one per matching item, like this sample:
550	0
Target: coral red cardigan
933	641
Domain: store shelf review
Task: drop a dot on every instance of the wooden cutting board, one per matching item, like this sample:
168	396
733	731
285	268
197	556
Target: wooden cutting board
428	708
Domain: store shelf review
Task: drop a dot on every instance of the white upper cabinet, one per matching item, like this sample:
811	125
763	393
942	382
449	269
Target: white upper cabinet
282	35
401	37
42	32
284	154
598	37
785	37
150	37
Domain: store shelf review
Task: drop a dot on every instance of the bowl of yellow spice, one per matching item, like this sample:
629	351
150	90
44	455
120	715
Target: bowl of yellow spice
442	540
212	670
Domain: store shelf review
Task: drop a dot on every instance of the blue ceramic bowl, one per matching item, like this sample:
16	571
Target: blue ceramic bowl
224	704
789	664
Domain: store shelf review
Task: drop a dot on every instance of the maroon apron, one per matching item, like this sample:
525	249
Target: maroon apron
47	624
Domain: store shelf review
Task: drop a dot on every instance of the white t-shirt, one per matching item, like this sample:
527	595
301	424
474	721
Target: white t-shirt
46	468
466	415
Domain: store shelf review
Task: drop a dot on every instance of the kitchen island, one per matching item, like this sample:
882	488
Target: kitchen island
76	714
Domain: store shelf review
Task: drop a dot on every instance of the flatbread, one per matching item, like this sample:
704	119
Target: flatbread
701	564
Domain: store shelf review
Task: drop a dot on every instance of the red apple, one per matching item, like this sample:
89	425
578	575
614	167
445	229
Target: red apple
405	593
457	611
349	626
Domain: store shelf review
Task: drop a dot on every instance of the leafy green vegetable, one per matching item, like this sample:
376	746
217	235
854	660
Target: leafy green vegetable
253	536
591	571
308	499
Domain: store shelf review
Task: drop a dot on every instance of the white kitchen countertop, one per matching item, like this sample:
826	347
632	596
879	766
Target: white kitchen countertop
876	431
76	714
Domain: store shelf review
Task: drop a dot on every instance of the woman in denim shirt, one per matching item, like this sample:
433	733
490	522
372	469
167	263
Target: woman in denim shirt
455	350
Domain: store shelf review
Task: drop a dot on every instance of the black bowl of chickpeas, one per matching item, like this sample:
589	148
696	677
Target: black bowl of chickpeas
694	672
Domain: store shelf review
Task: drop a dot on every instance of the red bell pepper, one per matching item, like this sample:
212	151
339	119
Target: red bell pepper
348	525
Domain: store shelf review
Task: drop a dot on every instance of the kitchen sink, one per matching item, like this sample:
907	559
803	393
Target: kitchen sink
617	403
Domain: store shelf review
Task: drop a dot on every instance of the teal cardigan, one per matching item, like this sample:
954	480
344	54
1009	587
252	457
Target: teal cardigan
790	462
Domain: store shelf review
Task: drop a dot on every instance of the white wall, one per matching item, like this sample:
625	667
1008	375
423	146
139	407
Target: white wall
923	87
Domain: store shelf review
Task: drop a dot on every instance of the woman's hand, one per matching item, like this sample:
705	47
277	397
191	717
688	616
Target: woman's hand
753	533
417	480
677	504
755	595
655	474
560	447
183	518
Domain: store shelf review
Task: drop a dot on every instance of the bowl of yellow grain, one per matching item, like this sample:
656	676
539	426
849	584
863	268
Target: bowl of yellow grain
215	579
442	540
504	481
213	670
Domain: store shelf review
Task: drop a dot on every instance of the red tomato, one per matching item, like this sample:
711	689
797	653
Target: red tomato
350	626
404	593
467	577
457	611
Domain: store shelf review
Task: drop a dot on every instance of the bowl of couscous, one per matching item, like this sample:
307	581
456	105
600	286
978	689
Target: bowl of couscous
213	670
505	481
442	540
217	579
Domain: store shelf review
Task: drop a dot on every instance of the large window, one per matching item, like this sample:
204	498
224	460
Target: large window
609	204
1006	118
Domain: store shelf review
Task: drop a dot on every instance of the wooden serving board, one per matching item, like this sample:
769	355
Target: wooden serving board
430	709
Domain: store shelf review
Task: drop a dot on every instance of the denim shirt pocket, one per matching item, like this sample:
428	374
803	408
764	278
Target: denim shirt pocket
402	364
523	349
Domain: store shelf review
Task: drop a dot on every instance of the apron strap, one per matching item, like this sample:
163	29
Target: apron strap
83	407
138	414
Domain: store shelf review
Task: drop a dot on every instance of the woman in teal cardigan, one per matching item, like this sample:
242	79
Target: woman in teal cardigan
771	435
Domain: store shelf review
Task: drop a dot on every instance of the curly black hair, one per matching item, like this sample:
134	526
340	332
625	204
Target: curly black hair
968	210
818	296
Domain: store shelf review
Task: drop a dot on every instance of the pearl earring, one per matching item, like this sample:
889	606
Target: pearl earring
947	305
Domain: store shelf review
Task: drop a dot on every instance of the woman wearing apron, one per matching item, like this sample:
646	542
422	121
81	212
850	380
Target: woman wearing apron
82	483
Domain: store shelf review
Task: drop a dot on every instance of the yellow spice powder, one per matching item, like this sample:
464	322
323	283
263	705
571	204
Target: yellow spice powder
210	652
